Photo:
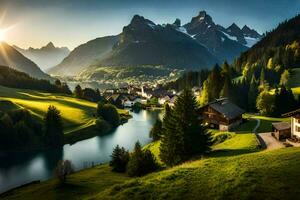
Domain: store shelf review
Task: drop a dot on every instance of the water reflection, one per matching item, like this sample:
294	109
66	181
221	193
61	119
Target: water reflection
20	168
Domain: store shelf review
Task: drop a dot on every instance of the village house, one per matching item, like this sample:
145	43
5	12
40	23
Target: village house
164	99
221	114
295	123
131	100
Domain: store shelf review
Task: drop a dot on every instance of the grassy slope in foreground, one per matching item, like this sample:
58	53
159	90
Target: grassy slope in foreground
262	175
88	183
77	114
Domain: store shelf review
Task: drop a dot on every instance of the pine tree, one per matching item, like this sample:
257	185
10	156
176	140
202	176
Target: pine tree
156	130
225	92
141	162
120	158
215	83
78	91
252	94
226	70
183	135
171	148
53	127
262	76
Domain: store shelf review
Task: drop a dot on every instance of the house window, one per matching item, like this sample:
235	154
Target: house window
297	129
298	121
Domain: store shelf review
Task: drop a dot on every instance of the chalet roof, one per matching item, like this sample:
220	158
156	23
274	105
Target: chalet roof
281	125
225	107
292	113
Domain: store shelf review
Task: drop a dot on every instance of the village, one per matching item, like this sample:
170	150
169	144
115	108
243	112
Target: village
220	114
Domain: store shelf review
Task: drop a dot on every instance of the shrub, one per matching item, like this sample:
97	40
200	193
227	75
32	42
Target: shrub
64	168
120	158
141	162
109	113
102	125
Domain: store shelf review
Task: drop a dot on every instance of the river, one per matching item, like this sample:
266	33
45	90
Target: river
20	168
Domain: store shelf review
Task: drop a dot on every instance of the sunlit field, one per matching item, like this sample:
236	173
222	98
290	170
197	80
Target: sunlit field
76	113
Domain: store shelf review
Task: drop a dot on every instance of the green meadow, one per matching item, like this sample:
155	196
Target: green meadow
77	114
235	169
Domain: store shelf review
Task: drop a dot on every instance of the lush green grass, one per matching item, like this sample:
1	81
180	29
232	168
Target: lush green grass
154	148
265	175
79	185
76	113
266	122
235	169
261	175
89	182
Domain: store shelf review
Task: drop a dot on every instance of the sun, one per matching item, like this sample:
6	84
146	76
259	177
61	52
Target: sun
2	35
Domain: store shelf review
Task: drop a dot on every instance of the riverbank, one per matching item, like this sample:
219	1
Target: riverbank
39	165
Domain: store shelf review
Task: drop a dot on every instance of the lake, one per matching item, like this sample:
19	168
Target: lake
20	168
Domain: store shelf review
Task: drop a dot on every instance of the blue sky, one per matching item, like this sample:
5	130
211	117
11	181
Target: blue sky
73	22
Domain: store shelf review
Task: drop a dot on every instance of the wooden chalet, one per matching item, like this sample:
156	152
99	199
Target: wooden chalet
295	122
221	114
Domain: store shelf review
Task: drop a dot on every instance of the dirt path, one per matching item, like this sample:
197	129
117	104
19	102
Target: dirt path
266	140
257	125
269	141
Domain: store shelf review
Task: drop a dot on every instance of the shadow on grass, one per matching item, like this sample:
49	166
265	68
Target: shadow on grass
231	152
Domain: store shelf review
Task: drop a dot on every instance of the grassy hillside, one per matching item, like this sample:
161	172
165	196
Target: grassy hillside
266	122
77	114
235	169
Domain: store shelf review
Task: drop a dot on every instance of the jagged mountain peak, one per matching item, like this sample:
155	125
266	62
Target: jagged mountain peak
234	27
177	23
202	17
140	21
246	28
248	32
50	45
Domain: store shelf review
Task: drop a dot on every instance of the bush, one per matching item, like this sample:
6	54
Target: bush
63	169
102	126
120	158
141	162
109	113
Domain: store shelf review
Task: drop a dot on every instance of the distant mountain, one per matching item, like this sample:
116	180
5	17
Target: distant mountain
143	42
225	43
45	57
197	44
14	59
85	55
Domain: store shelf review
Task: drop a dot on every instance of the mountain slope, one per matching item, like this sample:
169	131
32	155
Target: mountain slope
45	57
225	43
14	59
85	55
145	43
279	49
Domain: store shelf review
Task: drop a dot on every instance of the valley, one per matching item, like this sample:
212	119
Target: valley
149	100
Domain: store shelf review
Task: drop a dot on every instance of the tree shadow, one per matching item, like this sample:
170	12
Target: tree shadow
231	152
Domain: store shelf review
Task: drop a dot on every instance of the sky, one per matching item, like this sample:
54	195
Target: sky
33	23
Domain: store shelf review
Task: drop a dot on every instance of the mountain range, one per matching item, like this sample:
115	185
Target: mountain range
9	56
197	44
45	57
